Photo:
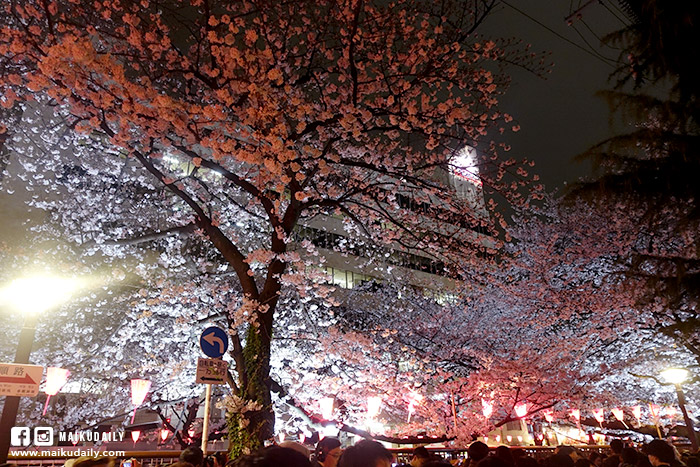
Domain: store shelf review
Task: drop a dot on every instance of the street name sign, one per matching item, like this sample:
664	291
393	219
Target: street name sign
214	342
211	371
20	380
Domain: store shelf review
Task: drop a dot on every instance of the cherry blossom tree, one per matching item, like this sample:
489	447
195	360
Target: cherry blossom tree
645	187
239	122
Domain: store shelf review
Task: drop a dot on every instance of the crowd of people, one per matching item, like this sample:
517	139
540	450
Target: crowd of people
329	452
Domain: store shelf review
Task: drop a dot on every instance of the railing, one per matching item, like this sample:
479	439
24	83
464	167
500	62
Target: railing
403	455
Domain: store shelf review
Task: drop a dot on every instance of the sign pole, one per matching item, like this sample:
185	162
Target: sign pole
9	410
213	342
205	425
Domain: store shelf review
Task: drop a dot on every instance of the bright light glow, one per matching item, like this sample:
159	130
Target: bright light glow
599	415
282	436
618	413
164	433
654	410
486	439
486	407
520	439
637	412
465	165
521	409
376	428
55	379
139	391
671	412
675	375
576	414
548	415
326	404
498	438
373	406
135	435
37	294
509	438
413	399
191	432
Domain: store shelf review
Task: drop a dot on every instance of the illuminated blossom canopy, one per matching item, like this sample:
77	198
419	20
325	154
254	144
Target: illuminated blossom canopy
198	144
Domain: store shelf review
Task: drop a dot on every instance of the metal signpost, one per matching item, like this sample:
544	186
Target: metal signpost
214	342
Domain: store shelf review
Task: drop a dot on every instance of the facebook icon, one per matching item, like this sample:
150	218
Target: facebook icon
19	436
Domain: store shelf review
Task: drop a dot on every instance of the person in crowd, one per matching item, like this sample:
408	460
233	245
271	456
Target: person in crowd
560	459
193	455
688	459
272	456
616	446
596	458
437	462
629	457
504	453
643	461
660	453
526	461
517	453
366	453
220	459
297	447
88	461
477	451
582	462
327	452
491	461
568	451
420	456
612	461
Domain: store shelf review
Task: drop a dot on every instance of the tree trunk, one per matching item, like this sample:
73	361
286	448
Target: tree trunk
249	429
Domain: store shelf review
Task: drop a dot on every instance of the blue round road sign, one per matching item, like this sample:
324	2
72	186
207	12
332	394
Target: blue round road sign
214	342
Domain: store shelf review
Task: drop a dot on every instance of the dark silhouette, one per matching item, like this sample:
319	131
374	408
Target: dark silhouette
273	456
193	455
366	453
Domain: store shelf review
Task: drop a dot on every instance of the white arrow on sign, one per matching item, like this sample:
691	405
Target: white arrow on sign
211	339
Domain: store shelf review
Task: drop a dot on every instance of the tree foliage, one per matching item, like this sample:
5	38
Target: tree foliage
647	179
241	121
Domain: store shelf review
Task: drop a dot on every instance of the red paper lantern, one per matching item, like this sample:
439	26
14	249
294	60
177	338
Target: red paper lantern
164	433
135	435
637	412
521	409
576	414
548	415
55	379
599	415
618	413
654	410
139	391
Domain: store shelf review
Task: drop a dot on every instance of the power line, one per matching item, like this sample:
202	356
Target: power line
589	52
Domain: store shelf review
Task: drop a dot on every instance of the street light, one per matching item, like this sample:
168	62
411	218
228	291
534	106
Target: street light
677	376
32	296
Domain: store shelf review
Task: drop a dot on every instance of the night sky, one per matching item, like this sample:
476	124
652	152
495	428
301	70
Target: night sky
559	115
